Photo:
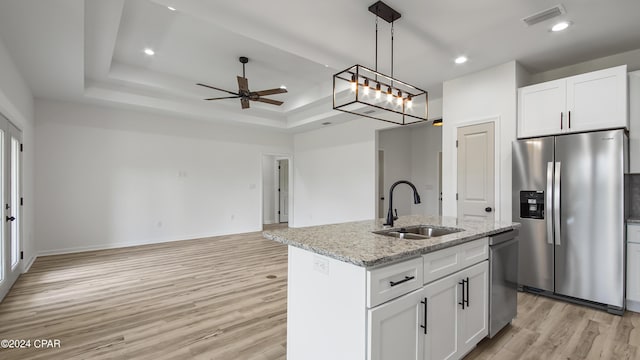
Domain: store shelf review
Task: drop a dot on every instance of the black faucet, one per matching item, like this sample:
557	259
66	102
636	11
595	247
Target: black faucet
416	200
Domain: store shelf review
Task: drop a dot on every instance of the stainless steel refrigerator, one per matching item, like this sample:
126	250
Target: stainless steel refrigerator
569	196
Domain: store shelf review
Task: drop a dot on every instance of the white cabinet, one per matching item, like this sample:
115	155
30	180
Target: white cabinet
457	313
393	329
634	122
541	109
591	101
633	267
403	311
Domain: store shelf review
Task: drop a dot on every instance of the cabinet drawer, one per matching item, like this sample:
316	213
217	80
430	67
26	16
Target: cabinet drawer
633	233
391	281
447	261
475	251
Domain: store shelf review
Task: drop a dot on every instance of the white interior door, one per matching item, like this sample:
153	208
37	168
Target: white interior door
476	172
10	198
283	190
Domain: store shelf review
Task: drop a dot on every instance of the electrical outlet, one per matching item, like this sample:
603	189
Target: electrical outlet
321	265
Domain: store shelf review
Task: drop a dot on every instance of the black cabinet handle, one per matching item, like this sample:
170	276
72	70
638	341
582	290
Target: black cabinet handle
406	278
462	302
488	209
425	315
10	218
467	301
561	120
569	119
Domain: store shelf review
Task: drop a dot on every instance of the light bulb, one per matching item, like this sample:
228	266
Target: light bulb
560	26
409	102
378	91
353	83
389	94
399	101
366	87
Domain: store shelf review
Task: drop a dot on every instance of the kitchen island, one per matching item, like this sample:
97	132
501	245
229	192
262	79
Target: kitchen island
354	294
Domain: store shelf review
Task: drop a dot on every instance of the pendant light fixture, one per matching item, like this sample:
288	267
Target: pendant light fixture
401	104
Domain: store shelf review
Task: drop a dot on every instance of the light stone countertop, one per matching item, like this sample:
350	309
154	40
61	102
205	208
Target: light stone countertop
354	242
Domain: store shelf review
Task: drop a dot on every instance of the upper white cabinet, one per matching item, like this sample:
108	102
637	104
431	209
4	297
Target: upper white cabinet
541	108
591	101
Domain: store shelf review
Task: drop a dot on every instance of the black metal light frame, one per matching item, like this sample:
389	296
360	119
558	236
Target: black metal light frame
416	94
379	110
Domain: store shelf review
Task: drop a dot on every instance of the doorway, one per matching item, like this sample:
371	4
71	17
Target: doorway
11	199
283	191
476	171
276	190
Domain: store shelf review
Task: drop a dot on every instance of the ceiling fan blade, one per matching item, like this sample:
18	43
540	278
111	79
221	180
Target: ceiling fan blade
269	101
245	103
224	97
215	88
269	92
243	83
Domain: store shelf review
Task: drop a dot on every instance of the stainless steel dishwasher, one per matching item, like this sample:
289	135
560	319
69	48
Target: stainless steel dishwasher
503	280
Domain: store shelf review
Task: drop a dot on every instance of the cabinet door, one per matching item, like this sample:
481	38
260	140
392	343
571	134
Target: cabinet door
441	340
541	109
633	272
474	324
597	100
634	121
394	330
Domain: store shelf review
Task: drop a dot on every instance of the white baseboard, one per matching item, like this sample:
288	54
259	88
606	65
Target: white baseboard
28	266
78	249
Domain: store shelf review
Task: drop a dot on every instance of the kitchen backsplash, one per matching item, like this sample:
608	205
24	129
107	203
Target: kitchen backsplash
634	196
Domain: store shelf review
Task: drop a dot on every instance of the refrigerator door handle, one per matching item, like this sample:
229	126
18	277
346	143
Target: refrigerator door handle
549	201
556	203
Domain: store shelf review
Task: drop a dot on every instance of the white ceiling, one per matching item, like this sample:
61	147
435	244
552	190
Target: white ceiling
93	50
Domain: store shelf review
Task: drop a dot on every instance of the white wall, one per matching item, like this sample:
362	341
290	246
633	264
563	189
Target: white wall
411	153
482	96
16	103
396	144
109	177
426	144
629	58
334	173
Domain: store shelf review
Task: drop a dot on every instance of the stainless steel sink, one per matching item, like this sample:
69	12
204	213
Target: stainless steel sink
417	232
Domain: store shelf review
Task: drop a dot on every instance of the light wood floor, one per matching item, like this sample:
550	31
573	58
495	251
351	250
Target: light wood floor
217	298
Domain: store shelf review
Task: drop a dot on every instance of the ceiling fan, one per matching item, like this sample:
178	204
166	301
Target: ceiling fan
244	94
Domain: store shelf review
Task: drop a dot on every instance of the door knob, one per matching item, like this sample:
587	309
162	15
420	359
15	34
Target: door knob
488	209
10	218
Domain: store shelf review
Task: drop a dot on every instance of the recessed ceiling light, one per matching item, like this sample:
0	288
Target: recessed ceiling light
171	8
149	51
283	87
560	26
326	65
461	60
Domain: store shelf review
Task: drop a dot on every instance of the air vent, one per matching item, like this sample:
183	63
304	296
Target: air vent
544	15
